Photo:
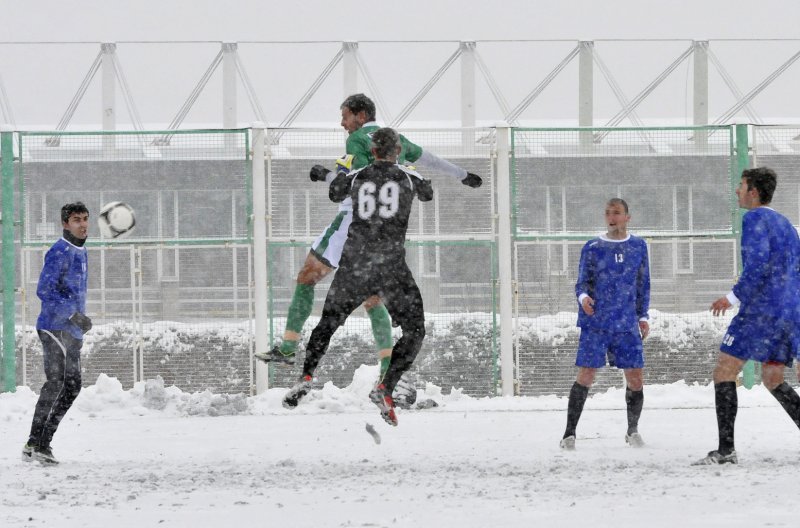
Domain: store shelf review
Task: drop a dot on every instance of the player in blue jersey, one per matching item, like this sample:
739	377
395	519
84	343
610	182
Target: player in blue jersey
767	327
61	325
613	291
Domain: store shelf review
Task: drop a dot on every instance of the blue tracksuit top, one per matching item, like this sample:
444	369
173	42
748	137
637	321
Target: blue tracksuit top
616	274
770	281
62	287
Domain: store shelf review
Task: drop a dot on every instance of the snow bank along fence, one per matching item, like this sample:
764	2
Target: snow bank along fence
177	299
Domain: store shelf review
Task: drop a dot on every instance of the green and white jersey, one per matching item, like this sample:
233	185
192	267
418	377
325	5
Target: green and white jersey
359	142
359	146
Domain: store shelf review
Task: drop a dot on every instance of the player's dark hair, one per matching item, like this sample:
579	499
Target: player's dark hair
764	180
619	201
360	103
385	141
71	209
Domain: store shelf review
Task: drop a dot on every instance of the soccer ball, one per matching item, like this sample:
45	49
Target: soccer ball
116	219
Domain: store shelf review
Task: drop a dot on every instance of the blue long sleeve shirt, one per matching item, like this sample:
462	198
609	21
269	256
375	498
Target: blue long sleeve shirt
616	275
770	281
62	287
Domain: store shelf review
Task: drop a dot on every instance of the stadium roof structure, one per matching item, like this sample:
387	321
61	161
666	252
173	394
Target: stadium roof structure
477	60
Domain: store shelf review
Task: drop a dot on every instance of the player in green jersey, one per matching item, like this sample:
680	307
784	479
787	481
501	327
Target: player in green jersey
359	120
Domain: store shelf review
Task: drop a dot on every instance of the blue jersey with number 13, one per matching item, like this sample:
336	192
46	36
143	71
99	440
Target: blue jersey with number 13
616	274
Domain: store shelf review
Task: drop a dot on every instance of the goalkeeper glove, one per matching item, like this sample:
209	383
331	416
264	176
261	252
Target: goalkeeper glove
472	180
344	164
318	173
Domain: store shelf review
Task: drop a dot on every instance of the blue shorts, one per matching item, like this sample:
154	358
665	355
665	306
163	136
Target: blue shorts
762	339
622	349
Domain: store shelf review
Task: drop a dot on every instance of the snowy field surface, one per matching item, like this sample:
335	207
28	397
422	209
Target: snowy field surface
155	456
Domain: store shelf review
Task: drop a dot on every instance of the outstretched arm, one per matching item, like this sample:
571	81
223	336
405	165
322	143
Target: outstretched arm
434	162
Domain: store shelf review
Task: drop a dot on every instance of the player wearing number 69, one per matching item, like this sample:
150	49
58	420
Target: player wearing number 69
359	120
373	263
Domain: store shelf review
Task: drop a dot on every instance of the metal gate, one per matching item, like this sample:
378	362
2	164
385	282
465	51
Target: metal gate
184	313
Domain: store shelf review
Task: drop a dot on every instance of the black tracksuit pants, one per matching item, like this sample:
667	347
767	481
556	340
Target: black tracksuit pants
62	366
355	281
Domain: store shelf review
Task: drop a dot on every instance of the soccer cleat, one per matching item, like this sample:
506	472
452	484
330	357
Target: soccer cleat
568	443
275	356
296	393
634	440
44	455
715	457
404	394
27	452
381	397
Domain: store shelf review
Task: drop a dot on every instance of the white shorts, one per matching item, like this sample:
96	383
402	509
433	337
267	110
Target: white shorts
328	245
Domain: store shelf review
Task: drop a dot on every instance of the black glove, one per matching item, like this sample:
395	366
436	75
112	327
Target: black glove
472	180
318	173
424	190
81	321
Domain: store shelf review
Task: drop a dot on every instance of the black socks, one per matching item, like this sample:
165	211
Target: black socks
577	397
727	403
789	400
634	400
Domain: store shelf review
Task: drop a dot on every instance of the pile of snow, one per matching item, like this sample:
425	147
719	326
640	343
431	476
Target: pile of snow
106	397
460	350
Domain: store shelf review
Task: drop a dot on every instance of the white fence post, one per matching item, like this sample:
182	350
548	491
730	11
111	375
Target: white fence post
230	117
109	91
467	95
260	275
504	259
350	69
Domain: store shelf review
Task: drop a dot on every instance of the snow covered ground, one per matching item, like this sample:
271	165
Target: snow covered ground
155	456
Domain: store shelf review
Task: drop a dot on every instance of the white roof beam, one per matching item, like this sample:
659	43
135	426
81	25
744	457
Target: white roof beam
54	141
375	93
403	115
298	107
731	112
511	117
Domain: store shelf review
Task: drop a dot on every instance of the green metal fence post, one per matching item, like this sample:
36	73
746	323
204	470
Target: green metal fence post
8	370
742	162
